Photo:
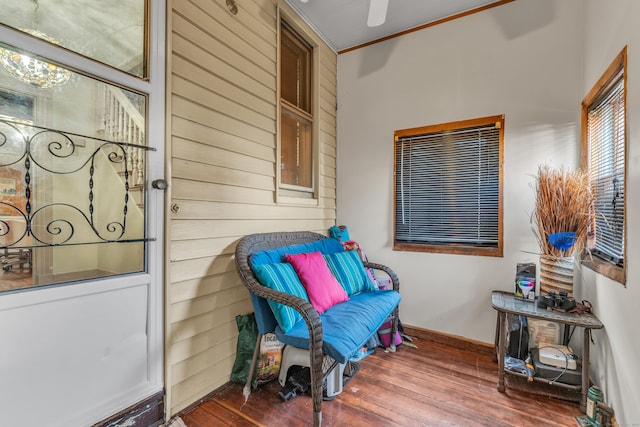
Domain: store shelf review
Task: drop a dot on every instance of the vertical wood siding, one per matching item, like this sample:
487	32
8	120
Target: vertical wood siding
222	112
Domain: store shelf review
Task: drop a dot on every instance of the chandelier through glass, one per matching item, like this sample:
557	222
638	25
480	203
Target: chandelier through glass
31	70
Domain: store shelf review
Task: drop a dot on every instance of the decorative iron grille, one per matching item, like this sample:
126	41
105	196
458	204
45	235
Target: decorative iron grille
30	151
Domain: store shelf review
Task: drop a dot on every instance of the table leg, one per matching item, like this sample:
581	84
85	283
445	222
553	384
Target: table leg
585	368
565	336
497	338
502	338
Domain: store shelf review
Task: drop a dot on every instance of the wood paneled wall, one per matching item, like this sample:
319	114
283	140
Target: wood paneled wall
222	132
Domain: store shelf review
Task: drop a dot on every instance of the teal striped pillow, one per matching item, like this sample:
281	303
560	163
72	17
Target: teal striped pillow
349	270
282	277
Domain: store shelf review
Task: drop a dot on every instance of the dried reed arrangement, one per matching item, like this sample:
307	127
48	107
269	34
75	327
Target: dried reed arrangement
563	200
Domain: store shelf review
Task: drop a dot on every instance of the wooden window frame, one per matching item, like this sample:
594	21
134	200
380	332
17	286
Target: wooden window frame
289	193
458	249
619	64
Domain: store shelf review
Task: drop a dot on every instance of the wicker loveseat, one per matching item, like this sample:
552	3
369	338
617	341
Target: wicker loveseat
331	337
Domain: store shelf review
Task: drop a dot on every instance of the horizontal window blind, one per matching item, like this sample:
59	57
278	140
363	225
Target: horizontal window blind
447	187
606	137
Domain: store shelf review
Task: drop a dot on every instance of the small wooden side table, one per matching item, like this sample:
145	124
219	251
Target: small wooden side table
505	302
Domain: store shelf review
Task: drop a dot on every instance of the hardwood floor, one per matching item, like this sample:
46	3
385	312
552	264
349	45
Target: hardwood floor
444	382
15	278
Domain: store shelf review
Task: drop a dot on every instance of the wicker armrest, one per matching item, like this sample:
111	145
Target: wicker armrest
392	274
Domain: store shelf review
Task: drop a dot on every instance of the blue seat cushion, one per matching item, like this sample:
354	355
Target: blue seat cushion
347	326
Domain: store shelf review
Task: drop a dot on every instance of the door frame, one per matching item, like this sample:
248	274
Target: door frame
155	204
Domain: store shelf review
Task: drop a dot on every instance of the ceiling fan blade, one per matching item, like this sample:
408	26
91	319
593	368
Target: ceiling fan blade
377	12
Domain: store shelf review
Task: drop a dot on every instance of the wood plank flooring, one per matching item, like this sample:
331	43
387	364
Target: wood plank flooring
15	278
444	382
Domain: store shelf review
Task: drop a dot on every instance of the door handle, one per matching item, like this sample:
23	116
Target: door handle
159	184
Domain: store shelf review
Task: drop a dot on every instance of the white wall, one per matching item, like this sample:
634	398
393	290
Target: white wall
522	60
608	27
534	61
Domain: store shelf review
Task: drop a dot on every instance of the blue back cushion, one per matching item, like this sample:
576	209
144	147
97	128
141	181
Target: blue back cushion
282	277
264	314
270	256
349	270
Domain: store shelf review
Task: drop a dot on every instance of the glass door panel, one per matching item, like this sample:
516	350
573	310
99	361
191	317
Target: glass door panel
72	175
110	31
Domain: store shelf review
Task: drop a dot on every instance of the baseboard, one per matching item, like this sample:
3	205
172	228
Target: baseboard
203	399
146	413
456	341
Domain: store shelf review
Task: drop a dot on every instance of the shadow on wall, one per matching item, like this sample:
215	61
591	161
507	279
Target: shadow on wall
376	59
607	379
532	15
610	369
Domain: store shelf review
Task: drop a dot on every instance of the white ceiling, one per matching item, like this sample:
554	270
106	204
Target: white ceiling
343	23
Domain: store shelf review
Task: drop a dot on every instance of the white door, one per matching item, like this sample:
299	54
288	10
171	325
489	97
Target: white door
81	142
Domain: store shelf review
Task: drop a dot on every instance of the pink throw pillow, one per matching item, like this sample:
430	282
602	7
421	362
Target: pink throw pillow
322	287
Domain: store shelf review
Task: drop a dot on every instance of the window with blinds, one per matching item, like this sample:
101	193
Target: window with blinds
448	187
604	120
